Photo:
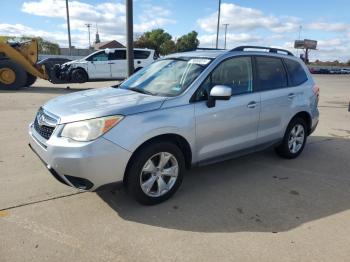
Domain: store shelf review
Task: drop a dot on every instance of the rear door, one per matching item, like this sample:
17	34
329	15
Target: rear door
98	66
117	60
142	58
276	98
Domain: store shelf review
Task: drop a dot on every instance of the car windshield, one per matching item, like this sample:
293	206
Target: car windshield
166	77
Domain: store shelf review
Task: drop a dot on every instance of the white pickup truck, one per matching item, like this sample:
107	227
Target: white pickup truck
105	64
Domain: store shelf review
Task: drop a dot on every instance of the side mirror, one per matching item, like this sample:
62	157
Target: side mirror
219	92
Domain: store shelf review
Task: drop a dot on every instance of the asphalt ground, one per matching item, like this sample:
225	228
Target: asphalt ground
254	208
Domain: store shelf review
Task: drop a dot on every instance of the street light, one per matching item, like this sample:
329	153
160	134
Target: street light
88	26
68	27
218	26
225	25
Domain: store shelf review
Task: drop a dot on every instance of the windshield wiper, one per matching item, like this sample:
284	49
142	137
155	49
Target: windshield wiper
142	91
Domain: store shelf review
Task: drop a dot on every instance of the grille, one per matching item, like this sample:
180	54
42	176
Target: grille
44	124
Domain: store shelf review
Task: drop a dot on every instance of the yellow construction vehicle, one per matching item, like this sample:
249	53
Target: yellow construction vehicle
18	66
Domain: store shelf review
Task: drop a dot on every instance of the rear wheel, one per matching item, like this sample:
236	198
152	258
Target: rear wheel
30	80
156	173
79	76
294	139
12	75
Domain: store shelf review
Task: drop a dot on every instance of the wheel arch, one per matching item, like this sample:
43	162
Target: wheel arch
177	139
306	117
78	67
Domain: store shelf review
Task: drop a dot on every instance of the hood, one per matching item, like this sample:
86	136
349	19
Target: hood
101	102
79	61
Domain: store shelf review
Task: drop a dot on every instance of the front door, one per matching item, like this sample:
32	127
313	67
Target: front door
98	66
230	126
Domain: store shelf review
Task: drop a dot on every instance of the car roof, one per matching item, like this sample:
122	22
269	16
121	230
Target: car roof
124	48
214	53
199	53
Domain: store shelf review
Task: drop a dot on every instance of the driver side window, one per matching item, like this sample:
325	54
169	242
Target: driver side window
234	72
102	56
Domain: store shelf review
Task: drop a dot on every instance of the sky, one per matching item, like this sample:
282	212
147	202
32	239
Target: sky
254	22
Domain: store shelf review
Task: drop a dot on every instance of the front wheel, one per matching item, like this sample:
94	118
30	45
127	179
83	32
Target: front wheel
155	173
294	139
79	76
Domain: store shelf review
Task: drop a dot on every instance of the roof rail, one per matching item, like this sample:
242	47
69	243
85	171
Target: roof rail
208	48
270	49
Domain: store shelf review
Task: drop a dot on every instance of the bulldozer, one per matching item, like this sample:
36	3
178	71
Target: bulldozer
18	65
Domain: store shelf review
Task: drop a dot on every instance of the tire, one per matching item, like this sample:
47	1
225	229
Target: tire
12	75
30	80
79	75
152	176
289	149
137	69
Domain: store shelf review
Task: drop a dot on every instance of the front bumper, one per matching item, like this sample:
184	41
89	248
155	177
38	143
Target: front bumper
84	165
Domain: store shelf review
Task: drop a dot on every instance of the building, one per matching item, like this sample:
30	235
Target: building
75	51
108	44
97	40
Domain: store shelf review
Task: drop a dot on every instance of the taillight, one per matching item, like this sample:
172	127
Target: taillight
316	90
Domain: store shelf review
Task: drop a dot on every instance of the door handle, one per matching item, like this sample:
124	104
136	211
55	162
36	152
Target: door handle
111	63
291	96
252	104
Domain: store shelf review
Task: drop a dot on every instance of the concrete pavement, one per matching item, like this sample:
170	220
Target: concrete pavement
255	208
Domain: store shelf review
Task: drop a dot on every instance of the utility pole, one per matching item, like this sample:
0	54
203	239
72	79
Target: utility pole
68	26
300	28
225	25
89	26
218	26
129	37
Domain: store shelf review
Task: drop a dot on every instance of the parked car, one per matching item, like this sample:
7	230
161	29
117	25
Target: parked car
319	70
50	62
335	71
104	64
345	71
184	110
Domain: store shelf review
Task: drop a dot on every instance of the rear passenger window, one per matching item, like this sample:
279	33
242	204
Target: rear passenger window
117	55
271	73
296	72
139	54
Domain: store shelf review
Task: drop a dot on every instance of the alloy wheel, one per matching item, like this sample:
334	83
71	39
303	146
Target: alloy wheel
296	138
159	174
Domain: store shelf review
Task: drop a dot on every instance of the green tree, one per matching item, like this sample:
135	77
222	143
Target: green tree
348	63
187	42
3	38
157	39
44	46
167	47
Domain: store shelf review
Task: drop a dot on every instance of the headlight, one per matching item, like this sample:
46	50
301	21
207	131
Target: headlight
91	129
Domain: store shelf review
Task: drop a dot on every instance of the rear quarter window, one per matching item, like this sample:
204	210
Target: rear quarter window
296	72
271	73
138	54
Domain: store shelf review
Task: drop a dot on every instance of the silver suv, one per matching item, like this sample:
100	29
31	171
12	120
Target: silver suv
184	110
